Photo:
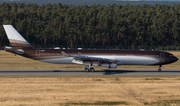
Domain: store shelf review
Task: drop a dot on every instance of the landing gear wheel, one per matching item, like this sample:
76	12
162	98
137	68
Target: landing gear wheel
86	69
92	69
159	70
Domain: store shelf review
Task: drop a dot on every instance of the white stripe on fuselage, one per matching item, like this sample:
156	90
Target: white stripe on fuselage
123	60
65	60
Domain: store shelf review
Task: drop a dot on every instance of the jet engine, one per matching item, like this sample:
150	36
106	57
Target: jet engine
109	65
100	63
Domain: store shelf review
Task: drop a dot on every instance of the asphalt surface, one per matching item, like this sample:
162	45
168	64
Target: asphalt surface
83	73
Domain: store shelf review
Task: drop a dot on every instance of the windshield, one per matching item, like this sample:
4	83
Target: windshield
171	55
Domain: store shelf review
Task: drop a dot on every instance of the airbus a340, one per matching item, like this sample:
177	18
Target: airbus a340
89	58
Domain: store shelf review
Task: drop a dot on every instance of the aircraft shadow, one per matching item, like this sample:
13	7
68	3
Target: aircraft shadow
104	72
113	72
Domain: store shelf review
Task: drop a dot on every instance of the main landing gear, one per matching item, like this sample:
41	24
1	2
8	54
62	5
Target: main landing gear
160	68
89	69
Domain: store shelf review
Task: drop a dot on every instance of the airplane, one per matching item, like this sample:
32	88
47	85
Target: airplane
89	58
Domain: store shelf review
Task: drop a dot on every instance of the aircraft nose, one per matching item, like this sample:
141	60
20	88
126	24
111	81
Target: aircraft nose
174	59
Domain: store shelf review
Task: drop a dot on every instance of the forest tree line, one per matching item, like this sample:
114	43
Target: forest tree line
120	25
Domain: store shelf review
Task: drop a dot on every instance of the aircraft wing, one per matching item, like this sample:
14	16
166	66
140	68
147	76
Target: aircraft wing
82	57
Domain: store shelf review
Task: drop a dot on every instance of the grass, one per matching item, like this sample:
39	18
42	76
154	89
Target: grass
10	61
146	103
97	79
83	91
153	79
98	103
166	103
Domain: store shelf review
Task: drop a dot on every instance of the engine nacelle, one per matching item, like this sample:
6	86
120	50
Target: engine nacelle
109	65
99	63
19	51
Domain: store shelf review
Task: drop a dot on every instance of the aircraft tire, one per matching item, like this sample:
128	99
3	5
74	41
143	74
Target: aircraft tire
159	70
86	69
92	69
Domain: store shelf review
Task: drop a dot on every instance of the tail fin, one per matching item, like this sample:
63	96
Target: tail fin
15	38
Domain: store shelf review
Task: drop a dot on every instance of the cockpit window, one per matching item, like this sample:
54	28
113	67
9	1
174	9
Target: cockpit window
171	55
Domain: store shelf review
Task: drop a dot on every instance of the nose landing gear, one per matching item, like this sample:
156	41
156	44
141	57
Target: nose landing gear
160	68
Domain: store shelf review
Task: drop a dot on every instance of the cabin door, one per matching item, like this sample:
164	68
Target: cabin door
162	55
38	52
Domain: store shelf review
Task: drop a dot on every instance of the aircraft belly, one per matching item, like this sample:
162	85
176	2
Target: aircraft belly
67	60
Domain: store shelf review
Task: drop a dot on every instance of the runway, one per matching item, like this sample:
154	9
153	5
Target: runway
83	73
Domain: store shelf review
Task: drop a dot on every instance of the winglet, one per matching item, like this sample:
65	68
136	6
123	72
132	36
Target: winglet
65	54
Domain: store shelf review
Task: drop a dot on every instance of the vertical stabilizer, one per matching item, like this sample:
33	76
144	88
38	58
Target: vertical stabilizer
15	38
